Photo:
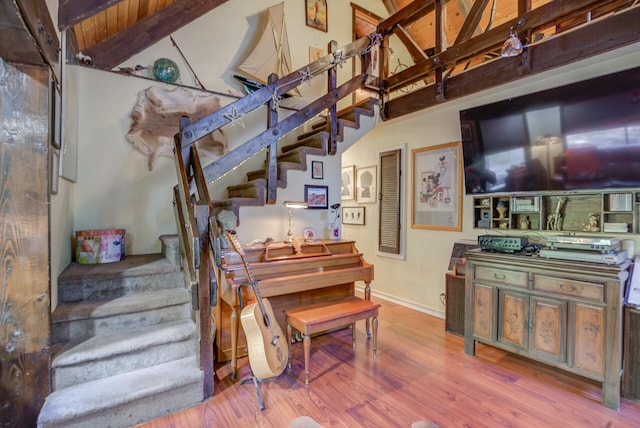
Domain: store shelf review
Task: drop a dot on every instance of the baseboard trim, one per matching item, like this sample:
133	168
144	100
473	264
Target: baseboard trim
402	302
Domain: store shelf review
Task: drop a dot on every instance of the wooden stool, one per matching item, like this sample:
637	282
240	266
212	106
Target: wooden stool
327	316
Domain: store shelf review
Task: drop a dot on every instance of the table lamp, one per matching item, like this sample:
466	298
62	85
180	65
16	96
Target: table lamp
290	205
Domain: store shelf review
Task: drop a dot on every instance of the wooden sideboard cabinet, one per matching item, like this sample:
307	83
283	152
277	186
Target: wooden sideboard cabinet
564	313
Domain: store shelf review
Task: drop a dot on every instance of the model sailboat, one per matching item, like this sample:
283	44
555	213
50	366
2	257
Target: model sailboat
271	54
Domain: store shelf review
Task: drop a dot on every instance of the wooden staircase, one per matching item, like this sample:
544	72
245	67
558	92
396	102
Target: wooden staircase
195	211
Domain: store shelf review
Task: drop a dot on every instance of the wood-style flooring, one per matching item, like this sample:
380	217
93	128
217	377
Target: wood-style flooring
421	373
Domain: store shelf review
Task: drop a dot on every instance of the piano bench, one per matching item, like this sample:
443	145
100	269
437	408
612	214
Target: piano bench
321	317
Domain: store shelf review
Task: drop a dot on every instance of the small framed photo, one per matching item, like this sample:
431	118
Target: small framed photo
353	215
317	171
316	196
348	183
316	11
366	180
315	53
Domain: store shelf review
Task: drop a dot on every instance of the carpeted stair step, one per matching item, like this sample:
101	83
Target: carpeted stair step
254	189
127	399
283	167
137	273
134	349
316	140
79	321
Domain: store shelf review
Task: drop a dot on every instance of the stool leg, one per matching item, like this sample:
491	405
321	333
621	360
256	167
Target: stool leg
375	337
307	354
289	343
353	334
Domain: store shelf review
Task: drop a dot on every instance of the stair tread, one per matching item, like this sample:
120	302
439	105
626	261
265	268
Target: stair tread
102	394
131	266
106	346
126	304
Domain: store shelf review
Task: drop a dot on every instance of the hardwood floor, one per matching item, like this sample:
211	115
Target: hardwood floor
421	373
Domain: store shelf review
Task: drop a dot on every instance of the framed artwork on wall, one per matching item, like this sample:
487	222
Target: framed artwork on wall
316	11
436	199
348	183
317	170
316	196
353	215
366	180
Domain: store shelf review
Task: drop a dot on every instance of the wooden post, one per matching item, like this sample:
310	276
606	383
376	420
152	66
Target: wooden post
332	120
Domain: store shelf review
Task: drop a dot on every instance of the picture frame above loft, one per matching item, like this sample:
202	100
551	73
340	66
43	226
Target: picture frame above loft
436	199
317	197
317	16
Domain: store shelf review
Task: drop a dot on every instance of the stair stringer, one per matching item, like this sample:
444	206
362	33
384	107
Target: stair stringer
294	156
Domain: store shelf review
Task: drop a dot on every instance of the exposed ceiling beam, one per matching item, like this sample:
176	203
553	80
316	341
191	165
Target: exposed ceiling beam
608	33
549	13
472	21
71	12
406	15
153	28
28	33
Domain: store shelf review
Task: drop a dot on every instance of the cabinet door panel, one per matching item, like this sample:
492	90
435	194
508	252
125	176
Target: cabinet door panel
588	346
512	319
483	312
548	339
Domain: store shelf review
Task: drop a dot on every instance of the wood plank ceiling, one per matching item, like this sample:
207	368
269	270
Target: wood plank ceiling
464	33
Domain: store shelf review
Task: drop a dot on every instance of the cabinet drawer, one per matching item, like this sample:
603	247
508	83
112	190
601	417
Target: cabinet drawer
569	287
503	276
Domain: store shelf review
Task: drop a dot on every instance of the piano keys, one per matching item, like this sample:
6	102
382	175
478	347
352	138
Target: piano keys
289	275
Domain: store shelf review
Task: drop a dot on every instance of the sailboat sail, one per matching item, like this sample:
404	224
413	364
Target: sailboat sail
271	54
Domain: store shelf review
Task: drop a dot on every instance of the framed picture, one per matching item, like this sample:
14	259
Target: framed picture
316	196
317	170
348	183
366	180
317	14
436	200
315	53
353	215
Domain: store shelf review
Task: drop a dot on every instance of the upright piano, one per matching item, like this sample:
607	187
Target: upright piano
289	275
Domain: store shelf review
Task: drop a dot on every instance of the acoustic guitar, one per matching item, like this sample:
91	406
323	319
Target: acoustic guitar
266	344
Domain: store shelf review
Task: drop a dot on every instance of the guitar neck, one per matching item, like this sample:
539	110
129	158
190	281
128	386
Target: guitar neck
254	285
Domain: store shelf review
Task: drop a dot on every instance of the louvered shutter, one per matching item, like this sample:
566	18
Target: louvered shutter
389	225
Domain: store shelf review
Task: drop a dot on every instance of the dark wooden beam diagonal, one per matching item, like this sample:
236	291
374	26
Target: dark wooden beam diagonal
472	21
71	12
406	15
134	39
600	36
28	33
547	14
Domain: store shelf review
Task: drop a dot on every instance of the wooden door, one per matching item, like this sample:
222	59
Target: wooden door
513	316
24	245
589	338
548	339
483	313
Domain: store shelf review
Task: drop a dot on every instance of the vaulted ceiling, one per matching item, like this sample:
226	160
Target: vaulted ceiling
451	43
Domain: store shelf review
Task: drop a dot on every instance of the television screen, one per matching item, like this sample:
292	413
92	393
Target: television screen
581	136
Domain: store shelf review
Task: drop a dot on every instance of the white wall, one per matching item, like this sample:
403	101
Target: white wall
419	280
115	188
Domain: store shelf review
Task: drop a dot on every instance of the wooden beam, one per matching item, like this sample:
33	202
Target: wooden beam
153	28
406	15
472	21
600	36
71	12
547	14
28	33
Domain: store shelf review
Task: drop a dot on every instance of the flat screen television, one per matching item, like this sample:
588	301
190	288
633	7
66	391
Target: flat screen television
581	136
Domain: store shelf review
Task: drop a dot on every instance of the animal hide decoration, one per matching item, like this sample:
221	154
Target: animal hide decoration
156	120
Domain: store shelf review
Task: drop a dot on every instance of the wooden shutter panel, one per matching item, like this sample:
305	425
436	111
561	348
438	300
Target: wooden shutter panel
389	225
